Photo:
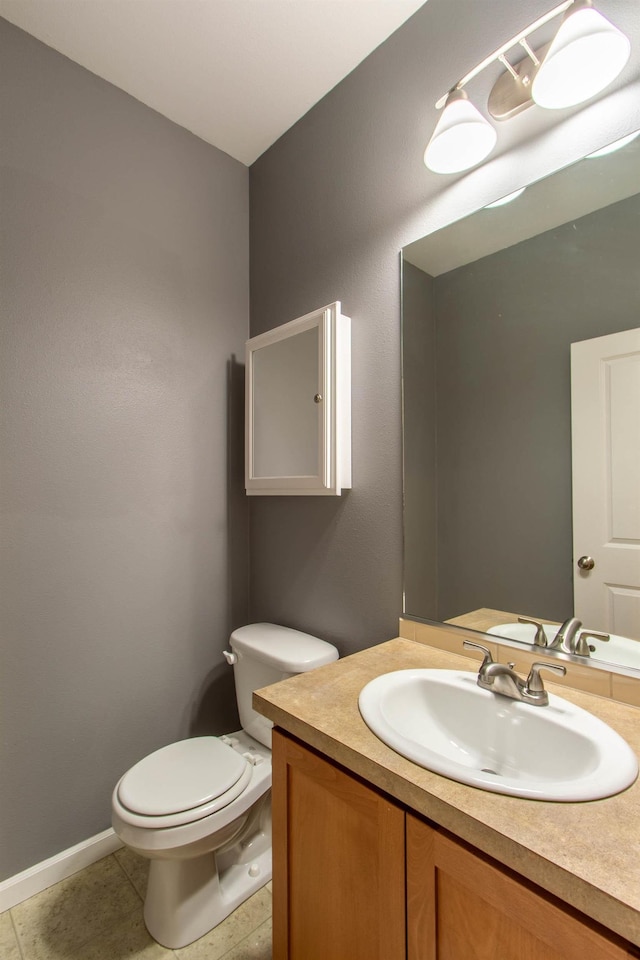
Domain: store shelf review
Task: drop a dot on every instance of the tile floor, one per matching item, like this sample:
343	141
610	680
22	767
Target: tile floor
97	915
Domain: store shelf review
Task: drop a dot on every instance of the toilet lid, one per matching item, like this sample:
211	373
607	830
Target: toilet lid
181	776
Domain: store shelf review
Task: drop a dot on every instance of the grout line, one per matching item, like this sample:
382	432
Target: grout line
15	932
251	932
128	878
248	937
170	953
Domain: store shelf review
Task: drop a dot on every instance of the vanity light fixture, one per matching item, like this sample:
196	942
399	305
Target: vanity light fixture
587	53
585	56
462	137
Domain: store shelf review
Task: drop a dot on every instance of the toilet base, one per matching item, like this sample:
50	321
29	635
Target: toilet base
187	898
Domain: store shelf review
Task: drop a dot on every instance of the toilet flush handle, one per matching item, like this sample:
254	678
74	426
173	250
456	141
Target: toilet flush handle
229	657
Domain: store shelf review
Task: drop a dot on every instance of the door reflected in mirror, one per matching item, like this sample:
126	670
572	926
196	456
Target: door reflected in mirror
491	307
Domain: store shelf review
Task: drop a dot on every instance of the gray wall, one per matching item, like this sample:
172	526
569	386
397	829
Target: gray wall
332	204
124	520
329	208
504	328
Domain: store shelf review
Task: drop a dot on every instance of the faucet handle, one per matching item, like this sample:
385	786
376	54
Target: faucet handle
488	657
584	649
540	639
534	687
534	680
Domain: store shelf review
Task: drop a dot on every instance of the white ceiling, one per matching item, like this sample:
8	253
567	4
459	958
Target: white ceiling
237	73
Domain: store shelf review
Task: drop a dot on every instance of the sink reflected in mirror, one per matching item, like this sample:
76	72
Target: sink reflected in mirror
444	722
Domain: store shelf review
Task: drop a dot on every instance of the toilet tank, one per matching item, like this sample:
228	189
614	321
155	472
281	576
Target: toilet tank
266	653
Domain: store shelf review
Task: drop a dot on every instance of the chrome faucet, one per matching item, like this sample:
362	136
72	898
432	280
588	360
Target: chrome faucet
571	638
540	639
584	649
501	678
566	637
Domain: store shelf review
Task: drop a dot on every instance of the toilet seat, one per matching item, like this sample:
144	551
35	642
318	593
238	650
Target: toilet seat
182	782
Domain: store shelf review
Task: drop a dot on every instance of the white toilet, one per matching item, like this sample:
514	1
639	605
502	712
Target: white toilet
200	809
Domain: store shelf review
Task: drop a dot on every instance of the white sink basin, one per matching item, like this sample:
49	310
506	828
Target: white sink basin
619	650
443	721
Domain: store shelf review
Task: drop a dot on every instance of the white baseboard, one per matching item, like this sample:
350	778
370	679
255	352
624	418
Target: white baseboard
63	865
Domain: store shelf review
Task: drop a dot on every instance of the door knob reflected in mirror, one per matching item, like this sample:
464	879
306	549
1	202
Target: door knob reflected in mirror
586	563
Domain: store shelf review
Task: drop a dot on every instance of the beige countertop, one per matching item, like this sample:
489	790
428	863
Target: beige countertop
587	854
484	618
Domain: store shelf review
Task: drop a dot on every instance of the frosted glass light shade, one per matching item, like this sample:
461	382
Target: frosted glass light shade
586	55
462	137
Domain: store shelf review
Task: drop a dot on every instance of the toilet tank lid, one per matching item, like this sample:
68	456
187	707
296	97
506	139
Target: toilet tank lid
282	647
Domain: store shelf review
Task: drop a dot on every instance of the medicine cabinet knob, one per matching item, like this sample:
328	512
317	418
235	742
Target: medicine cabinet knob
317	398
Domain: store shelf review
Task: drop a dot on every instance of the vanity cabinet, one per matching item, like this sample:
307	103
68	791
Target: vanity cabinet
338	862
461	904
356	876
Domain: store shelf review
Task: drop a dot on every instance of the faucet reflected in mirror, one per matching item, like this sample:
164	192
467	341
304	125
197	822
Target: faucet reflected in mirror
491	307
570	637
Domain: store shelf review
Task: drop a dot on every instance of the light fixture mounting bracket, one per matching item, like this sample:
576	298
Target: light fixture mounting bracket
511	95
514	41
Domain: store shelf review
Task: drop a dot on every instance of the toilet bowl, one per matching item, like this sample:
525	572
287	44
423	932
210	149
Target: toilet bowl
200	809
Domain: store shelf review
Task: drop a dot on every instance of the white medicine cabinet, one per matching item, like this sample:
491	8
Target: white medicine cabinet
298	407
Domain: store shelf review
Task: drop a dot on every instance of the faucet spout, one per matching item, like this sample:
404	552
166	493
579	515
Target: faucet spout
502	679
566	637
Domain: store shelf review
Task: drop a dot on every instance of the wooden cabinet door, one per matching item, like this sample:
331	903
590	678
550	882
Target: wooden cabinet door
338	862
460	906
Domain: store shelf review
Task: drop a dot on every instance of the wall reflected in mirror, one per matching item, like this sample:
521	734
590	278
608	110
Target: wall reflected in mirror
491	306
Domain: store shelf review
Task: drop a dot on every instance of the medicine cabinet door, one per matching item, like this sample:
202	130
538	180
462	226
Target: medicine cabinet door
297	407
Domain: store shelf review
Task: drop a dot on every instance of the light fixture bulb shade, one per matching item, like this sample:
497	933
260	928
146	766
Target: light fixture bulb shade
586	55
462	137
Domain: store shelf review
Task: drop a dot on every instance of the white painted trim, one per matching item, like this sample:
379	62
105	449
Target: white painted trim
42	875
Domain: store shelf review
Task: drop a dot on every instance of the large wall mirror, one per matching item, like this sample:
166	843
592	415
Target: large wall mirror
491	307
